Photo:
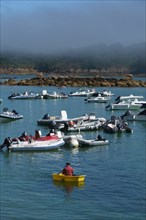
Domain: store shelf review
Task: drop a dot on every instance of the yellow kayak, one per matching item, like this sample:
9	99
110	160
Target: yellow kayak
62	177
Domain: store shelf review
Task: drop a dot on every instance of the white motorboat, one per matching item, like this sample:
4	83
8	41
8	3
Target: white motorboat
141	116
53	95
7	115
98	99
36	143
129	97
124	105
82	93
47	119
137	99
107	93
25	95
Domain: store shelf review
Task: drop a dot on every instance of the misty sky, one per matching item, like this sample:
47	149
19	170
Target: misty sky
50	26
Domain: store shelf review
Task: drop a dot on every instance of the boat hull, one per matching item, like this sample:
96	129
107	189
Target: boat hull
25	97
135	118
36	146
4	117
97	100
84	142
62	177
125	107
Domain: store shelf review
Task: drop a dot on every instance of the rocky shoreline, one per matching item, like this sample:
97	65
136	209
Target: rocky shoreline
61	81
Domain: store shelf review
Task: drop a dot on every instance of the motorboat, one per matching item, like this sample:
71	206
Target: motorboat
82	93
106	93
33	143
48	120
129	97
116	125
124	105
25	95
131	102
137	99
7	115
53	95
82	125
67	178
97	99
141	116
1	101
99	141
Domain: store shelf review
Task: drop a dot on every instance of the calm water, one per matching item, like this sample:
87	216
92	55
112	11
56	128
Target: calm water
114	187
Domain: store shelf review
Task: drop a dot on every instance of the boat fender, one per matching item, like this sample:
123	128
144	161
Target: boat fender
74	143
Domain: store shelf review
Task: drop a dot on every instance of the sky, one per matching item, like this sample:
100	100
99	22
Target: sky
50	26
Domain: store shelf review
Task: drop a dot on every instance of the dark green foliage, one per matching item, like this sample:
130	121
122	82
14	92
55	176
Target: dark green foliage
94	57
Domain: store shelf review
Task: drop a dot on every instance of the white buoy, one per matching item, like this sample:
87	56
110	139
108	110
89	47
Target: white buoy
74	143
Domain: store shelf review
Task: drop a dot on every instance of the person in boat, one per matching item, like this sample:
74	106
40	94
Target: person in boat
99	138
68	170
14	111
24	137
52	132
71	124
66	125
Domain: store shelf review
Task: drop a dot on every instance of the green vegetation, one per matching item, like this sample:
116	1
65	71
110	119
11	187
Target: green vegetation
97	57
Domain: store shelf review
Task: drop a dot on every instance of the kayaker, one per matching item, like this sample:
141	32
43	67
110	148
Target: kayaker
68	170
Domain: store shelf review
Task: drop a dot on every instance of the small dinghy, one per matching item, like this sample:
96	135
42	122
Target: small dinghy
33	143
7	115
99	141
66	178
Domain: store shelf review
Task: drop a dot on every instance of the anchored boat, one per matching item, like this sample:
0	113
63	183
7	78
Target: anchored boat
7	115
33	143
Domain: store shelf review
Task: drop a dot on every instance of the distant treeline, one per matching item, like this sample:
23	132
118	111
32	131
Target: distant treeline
97	57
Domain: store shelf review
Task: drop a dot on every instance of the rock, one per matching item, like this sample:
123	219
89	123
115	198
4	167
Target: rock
77	81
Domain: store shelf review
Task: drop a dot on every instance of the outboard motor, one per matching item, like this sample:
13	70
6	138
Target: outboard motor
99	138
53	125
119	127
46	116
14	111
7	143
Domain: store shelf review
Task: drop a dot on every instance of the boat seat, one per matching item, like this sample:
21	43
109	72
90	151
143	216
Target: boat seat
63	115
38	134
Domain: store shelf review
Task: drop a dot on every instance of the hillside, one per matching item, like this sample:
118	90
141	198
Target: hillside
92	60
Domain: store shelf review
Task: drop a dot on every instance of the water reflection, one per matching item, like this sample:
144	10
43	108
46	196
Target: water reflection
68	187
75	150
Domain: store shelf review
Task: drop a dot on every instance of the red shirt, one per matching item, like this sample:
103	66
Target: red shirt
68	170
